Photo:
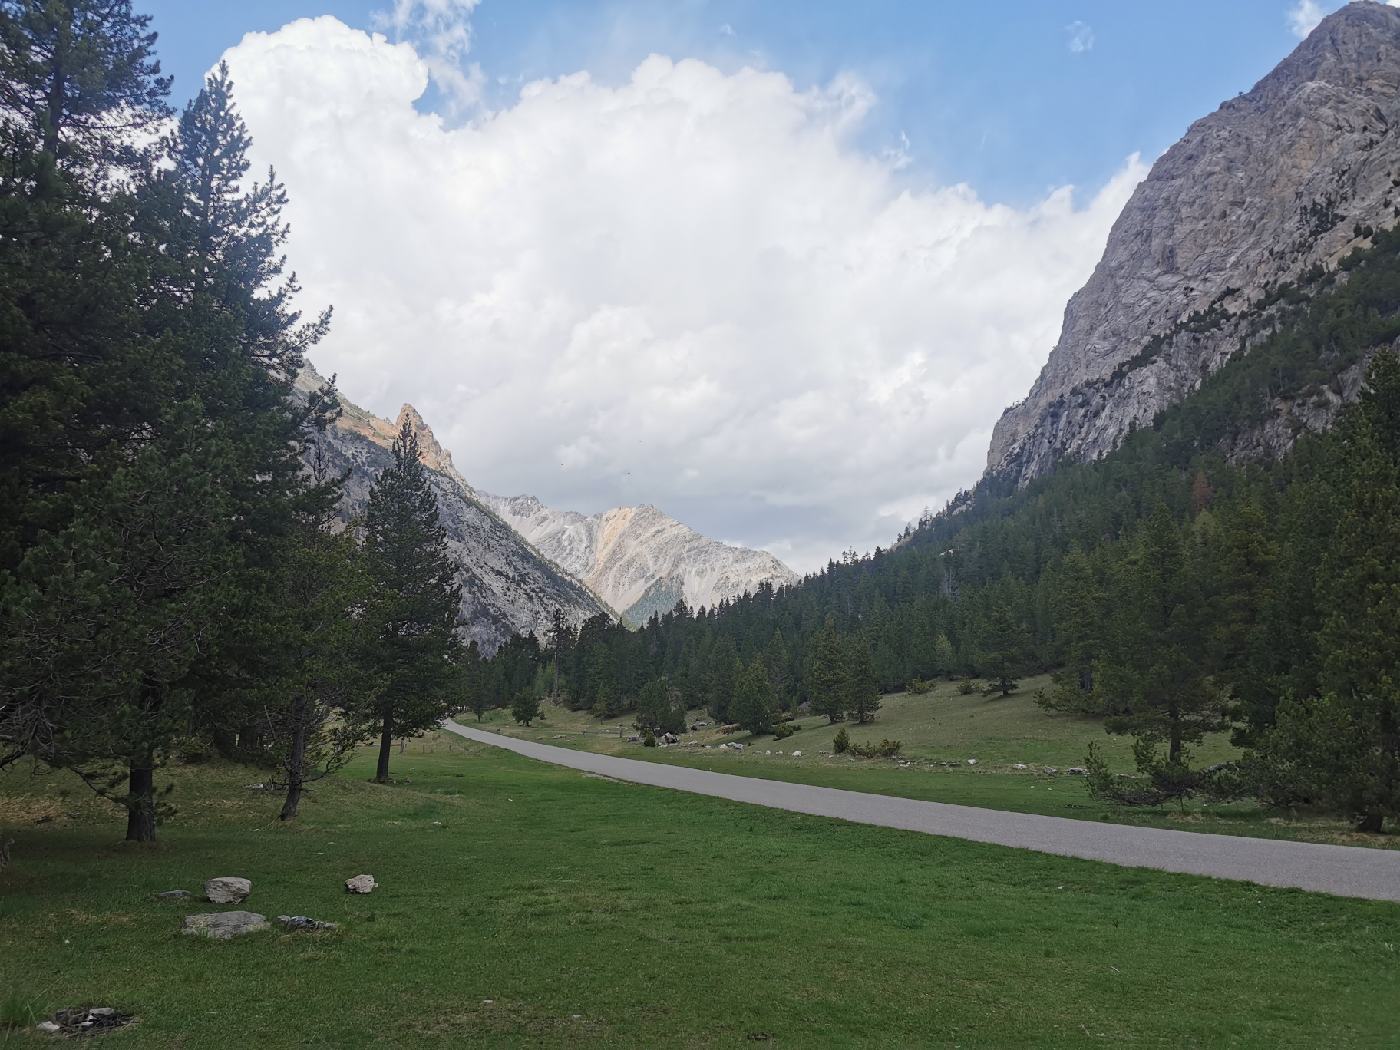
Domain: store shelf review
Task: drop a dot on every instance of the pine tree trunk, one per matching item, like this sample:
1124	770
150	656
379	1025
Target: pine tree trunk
141	802
386	742
296	766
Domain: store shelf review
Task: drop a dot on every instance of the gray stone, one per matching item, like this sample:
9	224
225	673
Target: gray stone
361	884
227	889
1272	183
304	922
174	895
224	925
1076	771
48	1026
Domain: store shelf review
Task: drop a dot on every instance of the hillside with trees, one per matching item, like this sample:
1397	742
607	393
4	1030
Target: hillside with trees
1175	586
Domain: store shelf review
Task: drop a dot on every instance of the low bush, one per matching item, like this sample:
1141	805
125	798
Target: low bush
783	730
842	742
967	687
918	687
648	739
884	749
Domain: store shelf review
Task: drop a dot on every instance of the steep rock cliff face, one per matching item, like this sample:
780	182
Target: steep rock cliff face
507	586
638	559
1275	183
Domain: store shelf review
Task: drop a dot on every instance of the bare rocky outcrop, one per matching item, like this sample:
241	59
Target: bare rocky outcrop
1277	182
638	559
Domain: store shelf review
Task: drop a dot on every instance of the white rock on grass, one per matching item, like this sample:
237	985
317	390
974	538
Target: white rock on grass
227	889
361	884
224	925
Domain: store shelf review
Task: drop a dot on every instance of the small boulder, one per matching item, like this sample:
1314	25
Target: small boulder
52	1027
797	754
361	884
227	889
1076	771
304	922
1019	765
174	895
224	925
972	761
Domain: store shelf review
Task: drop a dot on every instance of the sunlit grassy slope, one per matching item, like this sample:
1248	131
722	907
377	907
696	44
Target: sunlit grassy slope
940	731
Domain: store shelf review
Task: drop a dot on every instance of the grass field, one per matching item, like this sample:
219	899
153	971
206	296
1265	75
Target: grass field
940	731
525	905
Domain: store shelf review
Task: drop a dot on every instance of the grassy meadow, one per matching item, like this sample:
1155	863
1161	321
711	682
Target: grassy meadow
526	905
940	731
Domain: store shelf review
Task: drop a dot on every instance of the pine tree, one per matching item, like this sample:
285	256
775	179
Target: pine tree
753	698
1153	675
1002	639
414	600
74	76
1079	628
778	662
525	708
828	675
1358	768
311	701
861	690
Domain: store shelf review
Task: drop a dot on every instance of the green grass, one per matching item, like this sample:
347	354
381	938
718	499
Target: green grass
940	731
594	913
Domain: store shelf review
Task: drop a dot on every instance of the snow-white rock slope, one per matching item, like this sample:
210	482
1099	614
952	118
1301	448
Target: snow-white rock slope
638	559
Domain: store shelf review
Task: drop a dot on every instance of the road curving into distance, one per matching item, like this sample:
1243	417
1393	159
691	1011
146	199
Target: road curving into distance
1345	871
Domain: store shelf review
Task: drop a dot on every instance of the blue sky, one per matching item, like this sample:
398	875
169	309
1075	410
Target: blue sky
988	94
779	283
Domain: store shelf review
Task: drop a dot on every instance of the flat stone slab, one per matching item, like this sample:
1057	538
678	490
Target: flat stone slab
225	925
361	884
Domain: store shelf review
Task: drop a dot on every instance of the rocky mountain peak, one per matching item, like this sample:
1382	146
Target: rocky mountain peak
1281	179
434	456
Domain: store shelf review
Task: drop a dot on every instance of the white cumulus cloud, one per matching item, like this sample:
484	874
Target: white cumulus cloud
689	288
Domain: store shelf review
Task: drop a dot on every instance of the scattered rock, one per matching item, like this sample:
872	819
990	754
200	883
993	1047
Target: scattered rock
84	1020
699	726
361	884
634	738
1019	765
304	922
767	752
227	889
174	895
225	925
972	761
670	738
797	754
1050	770
736	746
1077	771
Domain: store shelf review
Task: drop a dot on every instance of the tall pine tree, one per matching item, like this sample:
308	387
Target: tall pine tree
414	600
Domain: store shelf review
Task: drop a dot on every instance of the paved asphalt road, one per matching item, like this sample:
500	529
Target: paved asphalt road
1346	871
